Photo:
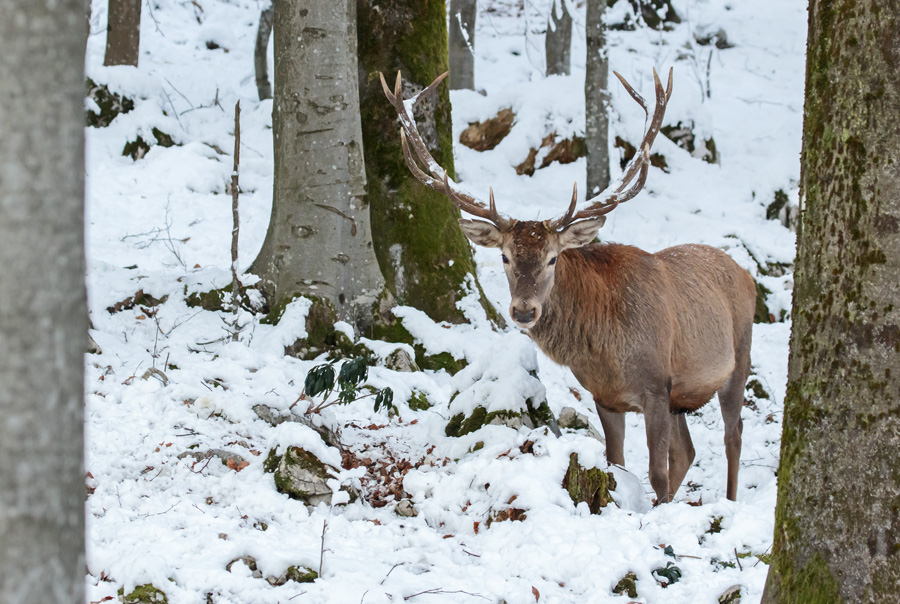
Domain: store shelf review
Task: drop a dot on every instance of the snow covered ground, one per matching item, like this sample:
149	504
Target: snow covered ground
162	224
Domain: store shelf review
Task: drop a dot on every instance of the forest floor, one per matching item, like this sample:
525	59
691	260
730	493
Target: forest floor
177	489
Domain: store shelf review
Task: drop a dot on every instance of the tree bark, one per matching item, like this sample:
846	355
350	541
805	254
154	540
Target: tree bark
837	520
319	240
261	53
425	258
462	44
123	32
596	99
43	314
558	45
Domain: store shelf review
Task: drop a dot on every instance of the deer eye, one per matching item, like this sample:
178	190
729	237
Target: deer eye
552	261
505	259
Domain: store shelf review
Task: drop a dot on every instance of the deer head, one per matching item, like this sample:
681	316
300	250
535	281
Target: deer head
530	248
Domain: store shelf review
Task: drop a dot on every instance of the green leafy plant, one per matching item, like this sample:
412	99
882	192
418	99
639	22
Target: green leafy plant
671	574
322	380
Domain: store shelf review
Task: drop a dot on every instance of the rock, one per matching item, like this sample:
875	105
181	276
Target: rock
250	561
144	594
683	136
591	486
406	509
657	160
572	420
301	475
274	417
732	595
484	136
110	105
401	360
223	455
298	574
627	585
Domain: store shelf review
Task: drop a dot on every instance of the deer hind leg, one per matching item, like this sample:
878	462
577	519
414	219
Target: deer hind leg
614	430
658	422
681	452
731	400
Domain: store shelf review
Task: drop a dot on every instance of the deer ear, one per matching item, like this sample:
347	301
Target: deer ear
481	233
580	233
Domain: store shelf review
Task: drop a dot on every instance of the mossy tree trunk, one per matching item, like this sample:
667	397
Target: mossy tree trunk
123	32
837	521
424	257
558	43
596	99
43	314
462	44
319	239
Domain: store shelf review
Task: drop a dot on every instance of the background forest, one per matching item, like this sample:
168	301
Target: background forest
213	478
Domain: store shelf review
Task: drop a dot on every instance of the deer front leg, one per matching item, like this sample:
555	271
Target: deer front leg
658	422
614	430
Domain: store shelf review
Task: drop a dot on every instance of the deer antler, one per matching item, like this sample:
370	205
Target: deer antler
433	175
639	165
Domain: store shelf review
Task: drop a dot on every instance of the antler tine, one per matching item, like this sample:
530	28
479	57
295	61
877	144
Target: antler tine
639	166
431	174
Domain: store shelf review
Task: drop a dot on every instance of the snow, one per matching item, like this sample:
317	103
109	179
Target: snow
162	224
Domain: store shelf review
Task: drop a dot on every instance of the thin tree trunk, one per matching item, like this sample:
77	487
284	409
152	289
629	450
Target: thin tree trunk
837	520
558	45
596	99
43	315
123	32
261	53
319	241
462	44
425	258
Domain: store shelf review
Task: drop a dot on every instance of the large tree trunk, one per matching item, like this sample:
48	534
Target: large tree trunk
123	32
261	53
462	44
319	240
837	521
596	99
425	258
558	43
43	315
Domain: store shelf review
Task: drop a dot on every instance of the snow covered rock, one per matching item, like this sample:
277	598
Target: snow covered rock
500	388
301	475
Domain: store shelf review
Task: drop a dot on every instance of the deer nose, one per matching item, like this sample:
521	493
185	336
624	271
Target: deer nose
524	316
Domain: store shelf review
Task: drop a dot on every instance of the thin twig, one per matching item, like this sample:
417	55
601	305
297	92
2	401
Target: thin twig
322	550
237	294
438	590
736	557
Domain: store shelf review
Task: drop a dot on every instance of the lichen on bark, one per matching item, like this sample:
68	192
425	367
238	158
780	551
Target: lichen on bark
837	519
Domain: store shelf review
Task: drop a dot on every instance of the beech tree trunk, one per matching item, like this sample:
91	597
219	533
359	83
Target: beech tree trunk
261	53
837	520
596	99
424	256
43	314
123	32
319	240
558	45
462	44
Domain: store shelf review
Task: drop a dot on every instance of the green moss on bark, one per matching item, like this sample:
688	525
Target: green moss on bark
144	594
590	486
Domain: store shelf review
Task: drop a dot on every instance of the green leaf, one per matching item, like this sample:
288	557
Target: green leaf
384	399
355	371
319	379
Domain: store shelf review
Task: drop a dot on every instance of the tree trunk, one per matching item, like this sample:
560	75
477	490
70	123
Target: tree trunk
319	240
837	520
123	32
43	315
261	53
596	99
558	43
425	258
462	44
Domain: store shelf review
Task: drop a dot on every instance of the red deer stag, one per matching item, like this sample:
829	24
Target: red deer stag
653	333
